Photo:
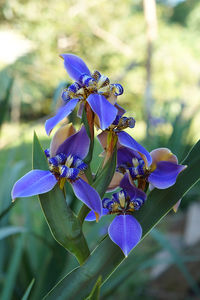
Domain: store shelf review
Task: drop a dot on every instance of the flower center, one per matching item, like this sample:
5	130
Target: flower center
122	203
67	167
96	83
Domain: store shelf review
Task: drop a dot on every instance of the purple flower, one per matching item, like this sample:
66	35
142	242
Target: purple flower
125	230
95	89
161	173
65	158
114	133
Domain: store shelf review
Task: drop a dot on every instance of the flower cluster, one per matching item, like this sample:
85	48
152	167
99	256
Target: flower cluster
136	168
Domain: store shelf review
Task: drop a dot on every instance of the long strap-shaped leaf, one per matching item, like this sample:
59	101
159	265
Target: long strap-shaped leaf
64	225
107	256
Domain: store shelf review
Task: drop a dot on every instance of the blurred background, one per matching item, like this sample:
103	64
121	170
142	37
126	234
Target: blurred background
152	49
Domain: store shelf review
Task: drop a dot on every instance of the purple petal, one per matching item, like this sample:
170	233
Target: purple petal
125	155
63	112
92	217
104	109
87	195
127	186
133	192
165	174
126	140
126	232
77	144
33	183
75	66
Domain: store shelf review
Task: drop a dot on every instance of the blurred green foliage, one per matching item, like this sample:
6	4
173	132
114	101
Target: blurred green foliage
111	37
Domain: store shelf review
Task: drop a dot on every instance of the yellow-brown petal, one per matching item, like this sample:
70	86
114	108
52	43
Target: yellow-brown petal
115	181
162	154
60	136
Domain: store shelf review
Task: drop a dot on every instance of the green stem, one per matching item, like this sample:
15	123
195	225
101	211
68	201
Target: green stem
88	174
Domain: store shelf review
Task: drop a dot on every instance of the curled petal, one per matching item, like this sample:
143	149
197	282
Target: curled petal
77	144
162	154
34	182
74	66
165	174
92	217
104	109
126	232
121	110
126	140
87	195
60	136
63	112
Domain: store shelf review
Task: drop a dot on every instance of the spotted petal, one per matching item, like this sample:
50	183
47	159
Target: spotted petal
62	113
75	66
87	195
34	182
104	109
126	232
77	144
126	140
165	174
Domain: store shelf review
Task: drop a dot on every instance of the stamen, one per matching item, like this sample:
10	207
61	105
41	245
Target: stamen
122	199
103	81
135	162
69	173
69	161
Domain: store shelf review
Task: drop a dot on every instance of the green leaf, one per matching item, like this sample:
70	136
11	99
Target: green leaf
13	268
94	295
104	178
10	230
107	256
27	293
64	225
